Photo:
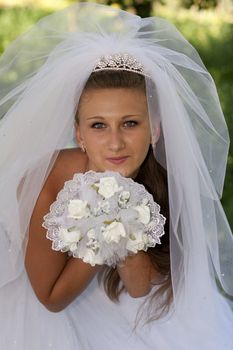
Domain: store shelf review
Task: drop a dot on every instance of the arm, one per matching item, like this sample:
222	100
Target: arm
56	280
137	274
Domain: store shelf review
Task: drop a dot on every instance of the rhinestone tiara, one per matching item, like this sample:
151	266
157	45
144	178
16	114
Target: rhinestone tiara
119	61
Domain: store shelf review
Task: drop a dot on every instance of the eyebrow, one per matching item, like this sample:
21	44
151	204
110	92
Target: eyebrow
124	117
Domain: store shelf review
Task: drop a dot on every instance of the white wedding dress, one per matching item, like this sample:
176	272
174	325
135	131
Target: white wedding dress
42	76
93	321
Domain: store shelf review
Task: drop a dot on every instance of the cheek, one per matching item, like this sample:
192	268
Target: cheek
95	147
95	141
142	145
88	135
142	140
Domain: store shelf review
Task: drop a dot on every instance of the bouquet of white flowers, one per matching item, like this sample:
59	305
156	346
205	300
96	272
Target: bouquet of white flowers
103	217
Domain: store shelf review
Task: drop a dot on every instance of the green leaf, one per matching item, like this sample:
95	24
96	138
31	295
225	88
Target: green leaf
132	237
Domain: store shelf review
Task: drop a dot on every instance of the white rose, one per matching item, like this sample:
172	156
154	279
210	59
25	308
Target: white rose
143	213
91	258
105	207
108	186
102	207
70	237
91	233
136	242
124	197
92	243
78	209
113	232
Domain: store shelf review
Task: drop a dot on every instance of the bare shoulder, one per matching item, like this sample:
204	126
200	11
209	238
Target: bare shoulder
68	162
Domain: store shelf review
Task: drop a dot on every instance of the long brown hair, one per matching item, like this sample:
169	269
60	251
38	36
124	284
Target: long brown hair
154	178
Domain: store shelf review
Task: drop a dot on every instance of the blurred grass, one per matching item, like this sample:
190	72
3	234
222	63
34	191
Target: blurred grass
14	21
209	32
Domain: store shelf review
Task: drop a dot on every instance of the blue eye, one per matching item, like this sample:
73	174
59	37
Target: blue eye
130	123
98	125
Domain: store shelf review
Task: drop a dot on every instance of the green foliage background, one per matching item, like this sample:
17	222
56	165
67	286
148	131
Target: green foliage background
210	32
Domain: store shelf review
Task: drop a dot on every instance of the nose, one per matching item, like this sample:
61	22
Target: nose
116	140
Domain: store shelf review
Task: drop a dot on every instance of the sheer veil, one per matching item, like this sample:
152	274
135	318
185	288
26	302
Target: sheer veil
42	75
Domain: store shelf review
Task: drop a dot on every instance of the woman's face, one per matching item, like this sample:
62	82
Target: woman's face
114	129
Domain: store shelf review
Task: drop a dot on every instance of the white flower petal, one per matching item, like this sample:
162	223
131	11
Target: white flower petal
113	232
78	209
73	236
91	233
136	242
108	186
144	213
91	258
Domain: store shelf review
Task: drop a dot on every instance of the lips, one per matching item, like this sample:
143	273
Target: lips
117	160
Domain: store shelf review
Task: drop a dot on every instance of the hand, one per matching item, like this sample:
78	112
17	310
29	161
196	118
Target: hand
137	274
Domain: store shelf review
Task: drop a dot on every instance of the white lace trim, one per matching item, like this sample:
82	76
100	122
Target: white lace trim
80	188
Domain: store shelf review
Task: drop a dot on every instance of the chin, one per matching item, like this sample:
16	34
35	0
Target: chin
126	172
123	170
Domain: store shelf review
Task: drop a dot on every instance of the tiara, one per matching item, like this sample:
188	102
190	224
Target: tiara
120	61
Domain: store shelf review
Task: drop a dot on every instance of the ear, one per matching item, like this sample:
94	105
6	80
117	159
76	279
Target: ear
155	134
78	133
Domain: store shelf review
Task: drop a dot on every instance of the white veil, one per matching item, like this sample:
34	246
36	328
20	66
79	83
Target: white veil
42	75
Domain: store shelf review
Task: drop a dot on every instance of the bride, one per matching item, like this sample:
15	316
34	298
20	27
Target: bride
129	95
